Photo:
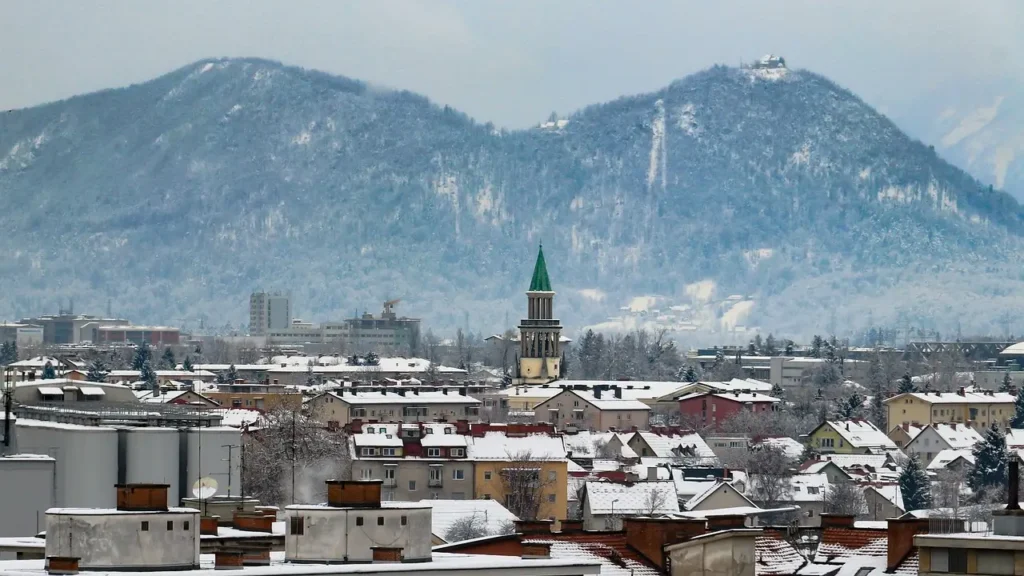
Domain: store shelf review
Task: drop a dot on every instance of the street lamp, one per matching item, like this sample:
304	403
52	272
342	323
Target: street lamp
613	513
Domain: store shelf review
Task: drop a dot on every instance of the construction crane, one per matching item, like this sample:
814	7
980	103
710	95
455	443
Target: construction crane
389	308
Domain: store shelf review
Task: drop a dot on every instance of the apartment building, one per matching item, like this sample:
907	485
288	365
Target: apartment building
344	406
849	437
977	409
595	409
415	461
269	311
711	409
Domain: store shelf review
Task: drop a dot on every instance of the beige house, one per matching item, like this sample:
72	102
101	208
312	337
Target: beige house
595	409
343	406
980	409
884	502
718	496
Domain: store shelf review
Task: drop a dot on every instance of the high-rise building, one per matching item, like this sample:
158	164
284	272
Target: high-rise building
269	311
540	353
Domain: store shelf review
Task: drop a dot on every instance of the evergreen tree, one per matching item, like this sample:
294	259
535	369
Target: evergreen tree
770	346
48	372
788	351
5	353
147	375
187	365
906	384
167	361
851	407
97	371
989	462
1007	385
690	374
12	353
310	377
563	366
1018	417
914	486
371	359
232	374
222	378
777	391
142	356
879	392
816	344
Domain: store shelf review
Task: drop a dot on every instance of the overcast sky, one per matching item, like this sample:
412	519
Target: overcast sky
512	62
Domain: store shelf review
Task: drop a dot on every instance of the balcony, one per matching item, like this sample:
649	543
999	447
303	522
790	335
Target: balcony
390	482
435	483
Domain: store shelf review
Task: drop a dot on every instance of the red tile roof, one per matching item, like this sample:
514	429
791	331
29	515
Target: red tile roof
608	547
838	544
776	557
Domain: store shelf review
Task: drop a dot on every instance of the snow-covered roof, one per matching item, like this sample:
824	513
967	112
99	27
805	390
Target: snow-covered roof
608	401
237	417
389	365
1015	438
1013	350
911	430
491	514
708	491
387	439
890	492
665	446
612	562
630	390
584	443
861	434
774	556
642	498
847	461
181	374
37	362
957	398
945	457
808	487
498	446
442	436
958	436
790	447
376	398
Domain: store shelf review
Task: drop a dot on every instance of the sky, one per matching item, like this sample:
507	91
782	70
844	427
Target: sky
511	63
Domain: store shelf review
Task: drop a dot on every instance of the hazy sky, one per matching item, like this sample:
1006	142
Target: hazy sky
512	62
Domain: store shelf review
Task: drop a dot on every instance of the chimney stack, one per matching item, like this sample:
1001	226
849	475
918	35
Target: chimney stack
386	554
61	565
618	392
597	392
652	473
535	550
354	493
228	559
837	520
142	497
1013	482
526	527
727	522
901	539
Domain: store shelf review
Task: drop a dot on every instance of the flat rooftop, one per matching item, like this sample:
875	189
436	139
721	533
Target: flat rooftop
441	563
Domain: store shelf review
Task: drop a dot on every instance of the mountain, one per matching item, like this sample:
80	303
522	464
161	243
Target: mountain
733	197
976	123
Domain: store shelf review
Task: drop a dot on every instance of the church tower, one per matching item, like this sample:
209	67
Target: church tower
540	351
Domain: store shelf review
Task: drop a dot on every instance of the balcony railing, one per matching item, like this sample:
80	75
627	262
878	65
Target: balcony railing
434	483
390	482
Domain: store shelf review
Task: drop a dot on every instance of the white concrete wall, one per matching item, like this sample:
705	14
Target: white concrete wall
215	458
86	460
28	491
118	540
332	534
151	456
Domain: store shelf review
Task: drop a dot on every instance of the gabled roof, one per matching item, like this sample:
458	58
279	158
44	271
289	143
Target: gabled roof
698	498
850	461
890	492
637	499
609	548
776	557
497	446
838	545
859	433
734	396
957	398
607	401
540	281
665	446
946	457
958	436
1015	438
491	514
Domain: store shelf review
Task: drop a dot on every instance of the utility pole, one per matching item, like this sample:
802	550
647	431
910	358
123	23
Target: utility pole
230	459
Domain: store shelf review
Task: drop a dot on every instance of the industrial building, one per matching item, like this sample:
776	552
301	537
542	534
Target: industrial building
384	334
69	328
21	334
127	334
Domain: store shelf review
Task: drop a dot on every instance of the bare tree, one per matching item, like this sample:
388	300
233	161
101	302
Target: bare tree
524	486
770	476
466	528
290	456
846	498
654	502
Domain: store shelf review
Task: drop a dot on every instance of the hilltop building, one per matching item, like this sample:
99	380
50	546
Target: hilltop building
540	350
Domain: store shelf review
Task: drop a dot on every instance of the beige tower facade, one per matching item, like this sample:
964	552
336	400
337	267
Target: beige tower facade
540	349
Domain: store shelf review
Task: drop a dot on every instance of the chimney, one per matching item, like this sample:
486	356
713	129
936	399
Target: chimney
228	559
652	473
1012	482
901	539
354	493
597	392
726	522
61	565
142	497
252	522
960	391
255	553
386	554
526	527
208	525
618	392
836	520
445	391
649	536
536	550
571	526
462	391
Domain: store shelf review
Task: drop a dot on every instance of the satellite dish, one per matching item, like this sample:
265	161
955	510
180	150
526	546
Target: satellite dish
204	488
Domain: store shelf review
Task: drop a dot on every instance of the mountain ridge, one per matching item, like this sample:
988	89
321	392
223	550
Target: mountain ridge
757	180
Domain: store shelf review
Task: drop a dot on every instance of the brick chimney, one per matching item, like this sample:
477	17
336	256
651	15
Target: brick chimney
649	536
253	522
526	527
61	565
208	525
536	550
354	493
901	539
571	526
727	522
837	520
142	497
228	559
255	553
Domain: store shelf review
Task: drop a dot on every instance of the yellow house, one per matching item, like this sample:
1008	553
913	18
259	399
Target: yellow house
526	474
849	437
981	409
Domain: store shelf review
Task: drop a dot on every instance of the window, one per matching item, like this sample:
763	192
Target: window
389	473
145	526
405	520
389	451
458	474
487	476
359	520
389	496
812	490
551	498
369	452
429	431
296	526
433	452
186	525
380	520
170	525
457	452
365	474
412	485
552	476
447	430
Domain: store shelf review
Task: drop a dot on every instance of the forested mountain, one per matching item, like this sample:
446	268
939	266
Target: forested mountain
176	197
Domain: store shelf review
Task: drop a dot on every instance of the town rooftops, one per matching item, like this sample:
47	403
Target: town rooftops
959	397
859	433
490	514
608	401
743	397
498	446
957	435
360	398
673	446
946	457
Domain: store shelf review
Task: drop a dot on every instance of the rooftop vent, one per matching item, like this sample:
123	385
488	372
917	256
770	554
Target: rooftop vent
354	493
142	497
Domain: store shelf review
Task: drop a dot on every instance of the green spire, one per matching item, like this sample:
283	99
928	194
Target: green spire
540	281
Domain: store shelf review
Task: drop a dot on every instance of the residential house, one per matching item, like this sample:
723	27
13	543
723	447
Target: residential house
952	460
720	494
713	408
596	409
904	433
606	504
344	406
702	386
182	397
672	446
977	409
526	398
255	396
935	438
526	472
162	376
585	447
849	437
415	461
884	501
806	491
830	469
